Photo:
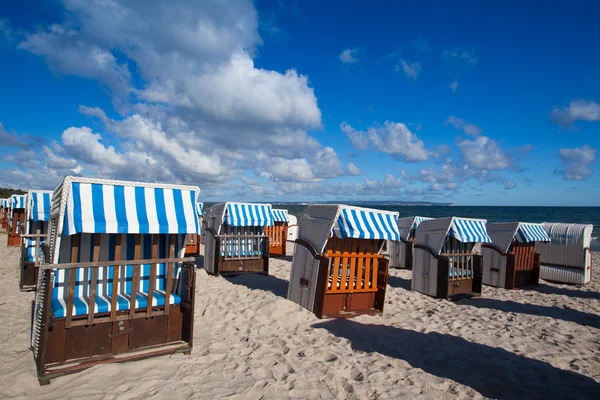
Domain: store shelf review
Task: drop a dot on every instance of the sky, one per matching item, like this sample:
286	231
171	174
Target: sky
474	104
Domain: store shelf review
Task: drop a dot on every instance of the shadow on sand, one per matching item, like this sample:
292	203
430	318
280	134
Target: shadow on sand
491	371
398	282
278	287
566	314
582	294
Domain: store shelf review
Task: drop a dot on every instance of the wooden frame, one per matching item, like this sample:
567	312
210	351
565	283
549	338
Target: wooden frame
466	279
277	238
16	228
522	265
4	218
73	343
234	265
352	278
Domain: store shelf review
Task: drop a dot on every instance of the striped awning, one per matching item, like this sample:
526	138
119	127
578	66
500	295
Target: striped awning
248	214
469	231
418	221
280	215
366	224
531	233
17	201
105	208
40	206
200	209
4	203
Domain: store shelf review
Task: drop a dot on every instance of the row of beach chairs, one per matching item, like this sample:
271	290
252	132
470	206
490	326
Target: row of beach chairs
113	262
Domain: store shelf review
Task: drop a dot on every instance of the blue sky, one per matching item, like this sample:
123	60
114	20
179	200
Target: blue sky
277	100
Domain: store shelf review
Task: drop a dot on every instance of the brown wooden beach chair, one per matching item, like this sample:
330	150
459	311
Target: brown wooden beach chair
16	216
338	269
114	285
511	261
446	263
278	233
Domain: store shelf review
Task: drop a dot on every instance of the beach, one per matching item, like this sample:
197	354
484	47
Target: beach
252	343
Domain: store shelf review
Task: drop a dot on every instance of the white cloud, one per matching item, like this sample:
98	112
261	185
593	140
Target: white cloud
460	55
412	71
393	138
509	185
483	153
467	127
576	163
577	110
348	56
454	86
352	169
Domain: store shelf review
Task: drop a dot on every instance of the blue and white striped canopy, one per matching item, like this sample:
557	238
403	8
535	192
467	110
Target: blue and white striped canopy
200	209
531	233
418	221
17	201
248	214
106	208
40	206
280	215
367	224
5	203
469	230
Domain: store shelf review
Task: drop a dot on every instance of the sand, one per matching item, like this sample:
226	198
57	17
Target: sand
251	343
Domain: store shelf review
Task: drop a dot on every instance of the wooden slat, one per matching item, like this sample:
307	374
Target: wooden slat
152	282
345	283
115	280
353	279
375	266
94	271
72	278
104	263
136	275
170	265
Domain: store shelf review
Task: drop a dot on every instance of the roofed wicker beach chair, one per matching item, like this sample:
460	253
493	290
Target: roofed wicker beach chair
114	285
235	238
338	269
446	262
16	216
401	253
567	258
511	261
277	233
192	244
37	214
4	208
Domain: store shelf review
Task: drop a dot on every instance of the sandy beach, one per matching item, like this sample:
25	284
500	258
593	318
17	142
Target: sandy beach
251	343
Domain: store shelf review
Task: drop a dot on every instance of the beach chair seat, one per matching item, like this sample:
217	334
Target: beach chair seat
103	303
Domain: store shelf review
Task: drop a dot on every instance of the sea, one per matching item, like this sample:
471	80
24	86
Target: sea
580	215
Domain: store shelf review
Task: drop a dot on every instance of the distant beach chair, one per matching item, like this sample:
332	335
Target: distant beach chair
567	258
401	252
192	244
37	213
16	216
292	233
277	233
235	239
511	261
338	269
4	209
446	262
114	285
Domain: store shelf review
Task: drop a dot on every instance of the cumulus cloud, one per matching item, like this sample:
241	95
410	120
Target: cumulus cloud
10	140
483	153
412	71
393	138
576	163
348	56
352	169
577	110
467	127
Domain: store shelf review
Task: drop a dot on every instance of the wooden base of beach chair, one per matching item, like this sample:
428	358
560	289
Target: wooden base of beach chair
13	241
241	266
29	274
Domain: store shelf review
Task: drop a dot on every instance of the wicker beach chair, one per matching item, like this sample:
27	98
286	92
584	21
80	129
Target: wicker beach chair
235	239
114	285
192	243
16	216
401	252
37	215
338	269
567	257
278	233
446	262
511	261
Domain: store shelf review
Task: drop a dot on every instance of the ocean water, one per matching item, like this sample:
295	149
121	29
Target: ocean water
581	215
